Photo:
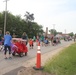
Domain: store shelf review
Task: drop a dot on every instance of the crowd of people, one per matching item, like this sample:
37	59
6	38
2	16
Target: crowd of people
7	41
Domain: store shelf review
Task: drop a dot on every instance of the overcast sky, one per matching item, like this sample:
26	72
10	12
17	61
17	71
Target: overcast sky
61	13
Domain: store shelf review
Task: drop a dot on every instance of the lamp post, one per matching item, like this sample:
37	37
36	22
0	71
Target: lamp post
5	17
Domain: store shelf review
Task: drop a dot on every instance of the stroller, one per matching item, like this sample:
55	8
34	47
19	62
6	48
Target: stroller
19	47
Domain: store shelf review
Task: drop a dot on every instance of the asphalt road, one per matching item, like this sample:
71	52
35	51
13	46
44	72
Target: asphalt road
7	65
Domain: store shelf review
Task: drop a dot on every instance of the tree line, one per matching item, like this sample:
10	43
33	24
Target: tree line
17	25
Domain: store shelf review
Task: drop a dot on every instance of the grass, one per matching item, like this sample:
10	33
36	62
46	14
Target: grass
64	63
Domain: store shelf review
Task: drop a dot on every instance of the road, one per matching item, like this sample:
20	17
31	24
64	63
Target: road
7	65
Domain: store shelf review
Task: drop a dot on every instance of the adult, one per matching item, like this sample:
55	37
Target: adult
25	37
7	44
42	39
34	38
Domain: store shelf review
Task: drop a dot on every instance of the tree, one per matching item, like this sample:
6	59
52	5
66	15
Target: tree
1	21
33	27
17	25
71	34
29	17
53	31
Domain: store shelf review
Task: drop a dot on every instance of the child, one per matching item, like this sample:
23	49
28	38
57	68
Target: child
46	41
31	43
13	46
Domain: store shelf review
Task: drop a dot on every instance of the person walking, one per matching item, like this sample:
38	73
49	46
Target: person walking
31	43
34	38
42	39
7	44
25	37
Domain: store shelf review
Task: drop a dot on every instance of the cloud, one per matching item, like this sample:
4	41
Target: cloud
63	21
46	12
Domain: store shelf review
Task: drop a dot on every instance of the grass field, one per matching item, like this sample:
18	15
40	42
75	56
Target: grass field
64	63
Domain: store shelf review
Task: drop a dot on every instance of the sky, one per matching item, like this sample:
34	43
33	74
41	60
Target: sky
57	14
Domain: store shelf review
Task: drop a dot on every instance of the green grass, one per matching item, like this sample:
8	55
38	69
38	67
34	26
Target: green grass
64	63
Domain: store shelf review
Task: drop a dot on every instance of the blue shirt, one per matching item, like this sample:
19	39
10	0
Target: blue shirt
46	41
7	40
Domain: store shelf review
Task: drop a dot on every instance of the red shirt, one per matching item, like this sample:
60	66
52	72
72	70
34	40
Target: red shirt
30	42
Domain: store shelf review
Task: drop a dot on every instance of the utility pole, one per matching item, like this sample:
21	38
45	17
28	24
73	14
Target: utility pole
5	17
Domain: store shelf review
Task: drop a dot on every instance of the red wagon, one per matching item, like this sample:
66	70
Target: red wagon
19	47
